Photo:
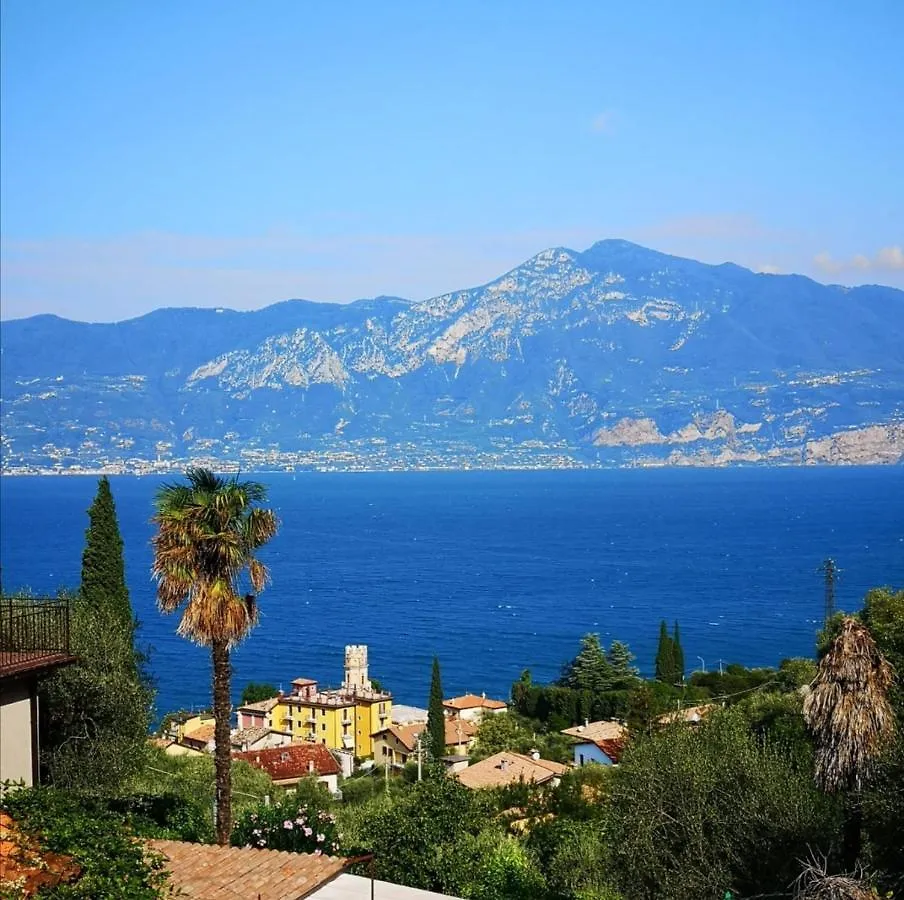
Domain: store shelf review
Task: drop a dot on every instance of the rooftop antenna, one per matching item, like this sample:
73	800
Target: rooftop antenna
830	573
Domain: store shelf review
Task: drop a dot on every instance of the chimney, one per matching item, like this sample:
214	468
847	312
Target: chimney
503	765
586	722
311	766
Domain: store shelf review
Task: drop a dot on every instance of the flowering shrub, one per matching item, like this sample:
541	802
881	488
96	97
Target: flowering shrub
290	824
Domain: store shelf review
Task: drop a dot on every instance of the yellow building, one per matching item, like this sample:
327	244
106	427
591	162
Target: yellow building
342	719
184	723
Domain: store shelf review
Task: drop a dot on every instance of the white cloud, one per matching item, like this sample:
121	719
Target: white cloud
825	263
888	259
603	122
768	269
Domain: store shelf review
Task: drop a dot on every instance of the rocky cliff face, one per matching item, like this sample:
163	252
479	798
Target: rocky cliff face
614	356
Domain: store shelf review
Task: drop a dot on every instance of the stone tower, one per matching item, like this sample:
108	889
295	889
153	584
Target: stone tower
356	668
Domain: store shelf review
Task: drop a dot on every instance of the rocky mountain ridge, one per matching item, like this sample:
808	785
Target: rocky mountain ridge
617	355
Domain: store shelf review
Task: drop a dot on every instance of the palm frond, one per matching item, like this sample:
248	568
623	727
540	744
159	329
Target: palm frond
207	531
815	883
848	710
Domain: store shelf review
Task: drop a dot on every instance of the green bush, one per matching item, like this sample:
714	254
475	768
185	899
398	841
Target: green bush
493	866
114	866
414	837
291	824
166	815
694	811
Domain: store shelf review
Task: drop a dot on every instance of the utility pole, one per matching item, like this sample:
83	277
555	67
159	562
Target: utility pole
830	572
419	764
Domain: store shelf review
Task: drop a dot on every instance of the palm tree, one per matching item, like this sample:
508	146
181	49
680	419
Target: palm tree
207	533
848	711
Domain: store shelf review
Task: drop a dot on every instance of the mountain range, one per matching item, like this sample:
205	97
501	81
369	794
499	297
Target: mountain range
617	355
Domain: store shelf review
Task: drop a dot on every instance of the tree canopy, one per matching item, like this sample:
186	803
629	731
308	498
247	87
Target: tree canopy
256	691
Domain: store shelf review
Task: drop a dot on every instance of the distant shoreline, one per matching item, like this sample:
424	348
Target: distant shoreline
232	468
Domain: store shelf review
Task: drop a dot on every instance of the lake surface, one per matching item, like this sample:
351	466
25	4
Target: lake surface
499	571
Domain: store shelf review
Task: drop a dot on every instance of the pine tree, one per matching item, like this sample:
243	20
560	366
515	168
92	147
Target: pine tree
436	717
665	655
103	567
590	670
678	654
621	660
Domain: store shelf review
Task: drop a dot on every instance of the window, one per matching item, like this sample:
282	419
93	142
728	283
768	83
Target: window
323	727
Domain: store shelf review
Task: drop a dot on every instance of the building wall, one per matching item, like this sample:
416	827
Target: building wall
388	748
308	721
370	716
16	760
180	729
332	725
331	782
475	713
249	719
588	753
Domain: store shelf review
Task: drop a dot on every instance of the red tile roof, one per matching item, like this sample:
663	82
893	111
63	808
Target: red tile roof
209	872
613	748
21	857
292	761
472	701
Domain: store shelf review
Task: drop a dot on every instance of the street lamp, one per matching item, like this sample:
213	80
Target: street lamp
702	664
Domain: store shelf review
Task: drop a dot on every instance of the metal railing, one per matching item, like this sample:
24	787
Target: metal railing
33	628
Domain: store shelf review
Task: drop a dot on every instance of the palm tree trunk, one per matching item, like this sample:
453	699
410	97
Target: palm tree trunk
852	832
222	710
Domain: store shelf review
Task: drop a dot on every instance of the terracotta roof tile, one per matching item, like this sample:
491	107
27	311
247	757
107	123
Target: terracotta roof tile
597	731
612	748
209	872
21	857
458	731
260	706
472	701
509	768
292	761
201	735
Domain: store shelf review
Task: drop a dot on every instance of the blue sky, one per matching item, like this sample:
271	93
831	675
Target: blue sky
235	154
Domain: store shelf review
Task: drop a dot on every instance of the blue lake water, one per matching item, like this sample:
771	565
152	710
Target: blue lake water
499	571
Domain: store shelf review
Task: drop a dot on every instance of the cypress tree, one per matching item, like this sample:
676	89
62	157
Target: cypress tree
103	567
96	712
665	655
436	718
678	654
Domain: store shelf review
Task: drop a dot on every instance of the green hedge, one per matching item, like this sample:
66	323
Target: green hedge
115	866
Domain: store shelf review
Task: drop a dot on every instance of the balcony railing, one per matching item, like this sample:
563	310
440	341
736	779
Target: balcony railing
33	632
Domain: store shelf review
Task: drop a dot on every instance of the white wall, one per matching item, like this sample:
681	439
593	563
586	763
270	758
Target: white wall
16	761
587	753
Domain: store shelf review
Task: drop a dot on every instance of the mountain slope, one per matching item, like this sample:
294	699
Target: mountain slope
616	355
